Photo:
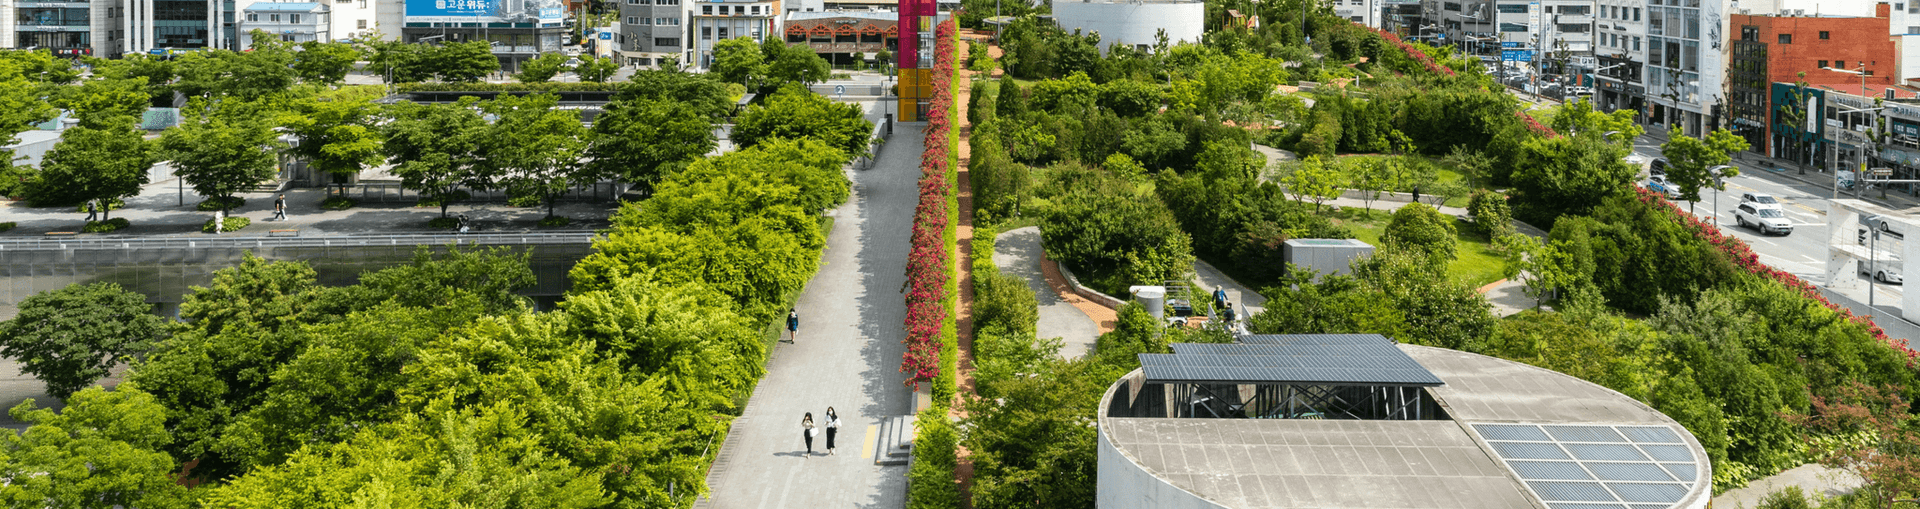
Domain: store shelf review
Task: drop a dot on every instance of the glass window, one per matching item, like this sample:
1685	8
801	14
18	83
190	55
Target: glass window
1823	64
1824	35
273	17
1839	64
1636	13
1636	44
1576	10
1512	8
360	23
1692	56
706	10
706	33
1692	18
1451	6
253	17
295	18
670	41
1786	38
723	32
633	20
1656	25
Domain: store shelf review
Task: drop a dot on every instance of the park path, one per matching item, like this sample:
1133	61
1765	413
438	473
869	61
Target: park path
847	356
1017	253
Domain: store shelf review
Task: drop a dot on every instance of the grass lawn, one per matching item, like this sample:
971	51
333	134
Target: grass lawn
1442	171
1475	263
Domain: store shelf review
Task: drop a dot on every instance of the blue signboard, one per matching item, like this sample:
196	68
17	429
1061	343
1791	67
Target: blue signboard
1511	44
606	36
1516	55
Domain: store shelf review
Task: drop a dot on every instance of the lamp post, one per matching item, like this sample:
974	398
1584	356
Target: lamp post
1718	184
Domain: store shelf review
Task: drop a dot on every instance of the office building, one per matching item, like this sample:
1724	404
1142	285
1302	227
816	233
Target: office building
518	31
1778	48
652	30
713	21
841	36
291	22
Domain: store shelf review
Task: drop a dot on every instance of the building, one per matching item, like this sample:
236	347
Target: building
1133	22
1778	48
68	28
519	30
1401	17
841	36
1844	131
1620	52
652	30
1356	421
1364	12
353	19
293	22
718	20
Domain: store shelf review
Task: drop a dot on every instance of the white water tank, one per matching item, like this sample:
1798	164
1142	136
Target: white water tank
1153	297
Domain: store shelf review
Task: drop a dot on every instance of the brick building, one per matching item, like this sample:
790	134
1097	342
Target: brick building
1771	49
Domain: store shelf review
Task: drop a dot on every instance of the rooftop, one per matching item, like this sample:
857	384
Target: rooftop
855	14
1512	436
283	6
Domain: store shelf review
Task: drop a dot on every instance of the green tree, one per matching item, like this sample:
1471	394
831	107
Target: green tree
702	92
463	62
102	164
400	62
1375	176
71	337
535	147
1418	228
435	149
337	136
248	75
541	69
795	112
642	141
1691	161
1567	175
103	102
1489	214
218	157
158	71
791	64
1129	98
40	66
1472	164
596	69
324	62
1114	240
101	451
737	60
1315	181
22	104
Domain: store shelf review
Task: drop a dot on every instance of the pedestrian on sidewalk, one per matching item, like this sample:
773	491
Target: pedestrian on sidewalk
833	428
462	223
807	431
1228	316
91	214
280	208
793	326
1219	296
219	221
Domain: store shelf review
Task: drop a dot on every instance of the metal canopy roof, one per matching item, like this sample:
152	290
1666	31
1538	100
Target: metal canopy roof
1373	363
1315	339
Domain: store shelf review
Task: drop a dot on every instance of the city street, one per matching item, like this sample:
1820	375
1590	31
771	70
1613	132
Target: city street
1804	252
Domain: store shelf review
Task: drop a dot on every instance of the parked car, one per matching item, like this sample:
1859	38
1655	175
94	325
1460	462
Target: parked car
1765	218
1659	184
1885	271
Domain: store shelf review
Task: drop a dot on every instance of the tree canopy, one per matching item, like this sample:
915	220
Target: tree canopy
795	112
71	337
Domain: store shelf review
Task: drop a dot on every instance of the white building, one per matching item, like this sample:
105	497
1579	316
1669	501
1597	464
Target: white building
718	20
1619	41
1365	12
1134	22
294	22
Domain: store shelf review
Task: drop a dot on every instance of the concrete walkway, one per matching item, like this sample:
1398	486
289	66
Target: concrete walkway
1814	480
1018	253
847	357
1246	301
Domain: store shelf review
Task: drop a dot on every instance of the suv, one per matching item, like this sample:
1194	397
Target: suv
1762	199
1765	218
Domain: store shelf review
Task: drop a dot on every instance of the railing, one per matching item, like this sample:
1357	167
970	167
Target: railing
236	242
882	131
385	192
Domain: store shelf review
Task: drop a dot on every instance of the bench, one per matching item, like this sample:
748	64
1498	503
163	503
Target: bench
283	233
62	233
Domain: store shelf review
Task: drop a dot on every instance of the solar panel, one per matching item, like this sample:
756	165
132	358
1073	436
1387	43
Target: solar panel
1355	359
1314	339
1594	466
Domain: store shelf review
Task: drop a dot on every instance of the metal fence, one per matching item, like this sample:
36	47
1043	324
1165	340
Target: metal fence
260	242
389	192
882	131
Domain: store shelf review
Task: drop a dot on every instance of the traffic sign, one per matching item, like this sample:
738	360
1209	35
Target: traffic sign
839	90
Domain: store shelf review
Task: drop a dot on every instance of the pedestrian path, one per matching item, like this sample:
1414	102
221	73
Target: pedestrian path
1018	253
1246	301
847	356
1814	480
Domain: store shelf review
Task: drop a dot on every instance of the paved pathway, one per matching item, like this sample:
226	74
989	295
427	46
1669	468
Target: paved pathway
1246	301
1814	480
1017	253
847	357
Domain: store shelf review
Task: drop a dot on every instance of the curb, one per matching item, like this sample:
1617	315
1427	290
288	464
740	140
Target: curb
1074	282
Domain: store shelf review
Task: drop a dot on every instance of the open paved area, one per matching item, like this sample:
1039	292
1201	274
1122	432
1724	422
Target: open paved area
847	357
1018	253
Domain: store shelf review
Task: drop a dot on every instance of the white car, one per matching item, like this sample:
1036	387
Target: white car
1760	198
1885	271
1766	219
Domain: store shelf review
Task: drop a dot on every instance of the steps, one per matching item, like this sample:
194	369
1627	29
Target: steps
895	443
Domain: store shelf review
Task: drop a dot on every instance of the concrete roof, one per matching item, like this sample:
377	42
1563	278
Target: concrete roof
855	14
1274	463
282	6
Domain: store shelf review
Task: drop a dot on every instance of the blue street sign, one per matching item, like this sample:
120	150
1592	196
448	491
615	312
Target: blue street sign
606	36
1510	44
1517	55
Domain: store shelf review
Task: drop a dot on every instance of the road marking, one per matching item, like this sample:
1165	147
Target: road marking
866	450
1769	242
1810	259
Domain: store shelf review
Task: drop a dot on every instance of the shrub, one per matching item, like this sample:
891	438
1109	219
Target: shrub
931	480
555	221
338	203
1115	240
7	226
213	204
117	223
444	223
232	224
1419	228
1488	213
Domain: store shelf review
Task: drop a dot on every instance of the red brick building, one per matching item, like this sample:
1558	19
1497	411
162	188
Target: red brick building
1776	49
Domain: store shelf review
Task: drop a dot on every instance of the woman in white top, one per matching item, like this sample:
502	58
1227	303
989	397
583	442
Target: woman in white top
833	427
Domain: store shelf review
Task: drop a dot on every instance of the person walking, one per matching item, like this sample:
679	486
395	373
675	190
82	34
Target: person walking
462	223
833	428
807	431
92	215
793	326
280	208
1229	318
219	220
1219	296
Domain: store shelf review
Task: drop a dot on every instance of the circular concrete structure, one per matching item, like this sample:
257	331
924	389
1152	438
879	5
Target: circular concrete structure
1133	23
1507	435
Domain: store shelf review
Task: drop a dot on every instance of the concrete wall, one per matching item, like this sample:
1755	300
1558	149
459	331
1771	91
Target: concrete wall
1123	483
1852	40
1133	23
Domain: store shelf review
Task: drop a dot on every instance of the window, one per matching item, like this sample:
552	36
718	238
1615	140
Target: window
286	37
1576	10
1824	35
667	2
1913	29
723	32
706	33
1512	8
1513	27
756	10
633	20
361	24
1786	38
273	17
1839	64
295	18
1869	72
1636	12
1451	6
253	17
1822	65
706	10
666	41
1636	43
1574	28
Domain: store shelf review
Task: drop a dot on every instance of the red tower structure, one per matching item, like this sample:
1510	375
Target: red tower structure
915	58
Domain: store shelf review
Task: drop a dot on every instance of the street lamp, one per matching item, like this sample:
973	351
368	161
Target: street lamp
1719	183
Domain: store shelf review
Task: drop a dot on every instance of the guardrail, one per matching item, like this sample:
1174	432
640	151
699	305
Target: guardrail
235	242
882	131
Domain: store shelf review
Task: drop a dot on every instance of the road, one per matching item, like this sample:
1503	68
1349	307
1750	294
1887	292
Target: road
1802	253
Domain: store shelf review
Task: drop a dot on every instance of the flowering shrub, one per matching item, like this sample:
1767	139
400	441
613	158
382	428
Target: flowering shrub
1414	53
929	262
1534	125
1744	257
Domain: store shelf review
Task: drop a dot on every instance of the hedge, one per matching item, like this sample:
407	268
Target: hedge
930	269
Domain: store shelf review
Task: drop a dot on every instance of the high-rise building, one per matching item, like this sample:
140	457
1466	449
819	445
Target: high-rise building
1620	52
69	28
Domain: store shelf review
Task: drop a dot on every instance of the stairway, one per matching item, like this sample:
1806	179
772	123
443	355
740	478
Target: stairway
895	443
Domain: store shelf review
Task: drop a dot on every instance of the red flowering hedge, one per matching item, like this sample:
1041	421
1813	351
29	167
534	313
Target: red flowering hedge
1744	257
929	262
1415	54
1534	125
